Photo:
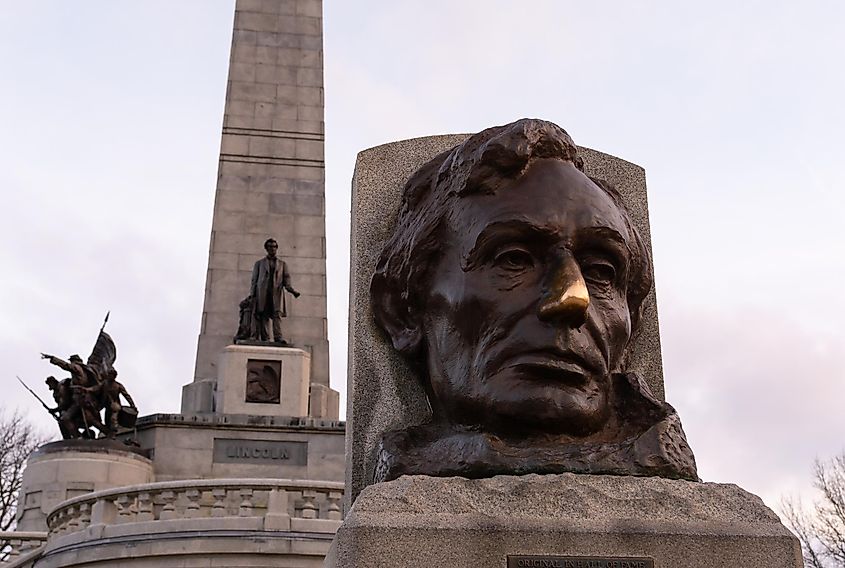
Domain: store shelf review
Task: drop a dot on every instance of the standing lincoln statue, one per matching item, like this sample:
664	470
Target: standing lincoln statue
266	302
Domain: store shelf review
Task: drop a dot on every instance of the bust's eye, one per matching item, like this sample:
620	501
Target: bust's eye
514	259
599	272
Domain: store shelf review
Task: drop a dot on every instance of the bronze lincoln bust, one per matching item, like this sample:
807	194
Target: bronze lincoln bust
513	284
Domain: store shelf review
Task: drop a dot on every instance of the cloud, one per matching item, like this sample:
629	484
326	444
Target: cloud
759	395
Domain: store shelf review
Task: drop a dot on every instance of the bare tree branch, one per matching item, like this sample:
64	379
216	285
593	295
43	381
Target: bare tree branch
821	531
793	511
18	439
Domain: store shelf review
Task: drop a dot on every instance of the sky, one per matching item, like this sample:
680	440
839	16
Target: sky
111	117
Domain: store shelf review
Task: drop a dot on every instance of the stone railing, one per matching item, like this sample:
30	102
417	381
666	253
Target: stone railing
16	545
264	504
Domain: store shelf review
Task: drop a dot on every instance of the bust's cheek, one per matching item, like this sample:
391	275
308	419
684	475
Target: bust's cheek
615	325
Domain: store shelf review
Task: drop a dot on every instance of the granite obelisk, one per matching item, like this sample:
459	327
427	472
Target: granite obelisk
270	183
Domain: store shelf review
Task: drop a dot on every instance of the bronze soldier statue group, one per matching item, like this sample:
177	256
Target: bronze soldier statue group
91	388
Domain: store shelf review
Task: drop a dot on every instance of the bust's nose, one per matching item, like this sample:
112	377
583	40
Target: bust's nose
565	298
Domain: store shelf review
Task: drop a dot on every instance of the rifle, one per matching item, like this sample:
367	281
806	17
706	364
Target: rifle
47	408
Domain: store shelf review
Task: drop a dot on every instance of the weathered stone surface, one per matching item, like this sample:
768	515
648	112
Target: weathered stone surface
322	402
232	388
198	396
184	445
383	392
425	521
62	470
210	542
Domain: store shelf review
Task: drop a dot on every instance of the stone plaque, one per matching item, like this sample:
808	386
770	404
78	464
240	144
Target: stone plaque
264	452
263	381
519	561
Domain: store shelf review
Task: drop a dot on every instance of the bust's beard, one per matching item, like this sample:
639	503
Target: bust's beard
643	436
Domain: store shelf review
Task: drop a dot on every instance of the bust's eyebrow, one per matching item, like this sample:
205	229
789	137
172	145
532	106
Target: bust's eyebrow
608	239
522	230
503	231
600	234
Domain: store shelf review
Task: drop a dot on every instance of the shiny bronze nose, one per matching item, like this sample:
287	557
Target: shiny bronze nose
566	298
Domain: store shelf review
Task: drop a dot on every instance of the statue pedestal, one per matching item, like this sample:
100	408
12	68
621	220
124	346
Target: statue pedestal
262	404
263	381
420	521
68	468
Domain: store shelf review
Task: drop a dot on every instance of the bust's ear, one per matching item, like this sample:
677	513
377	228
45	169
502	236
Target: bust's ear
393	313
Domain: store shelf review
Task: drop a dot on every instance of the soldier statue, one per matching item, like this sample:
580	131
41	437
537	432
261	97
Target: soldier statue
92	387
67	412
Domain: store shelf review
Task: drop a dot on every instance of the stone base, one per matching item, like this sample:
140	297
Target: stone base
198	446
425	521
245	366
190	543
61	470
198	397
263	381
259	343
323	402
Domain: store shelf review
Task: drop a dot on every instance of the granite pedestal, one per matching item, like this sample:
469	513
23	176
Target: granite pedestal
263	381
419	521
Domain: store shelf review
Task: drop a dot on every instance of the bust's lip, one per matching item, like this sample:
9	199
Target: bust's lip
552	365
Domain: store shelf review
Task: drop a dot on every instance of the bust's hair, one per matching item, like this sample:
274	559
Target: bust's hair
483	164
268	241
